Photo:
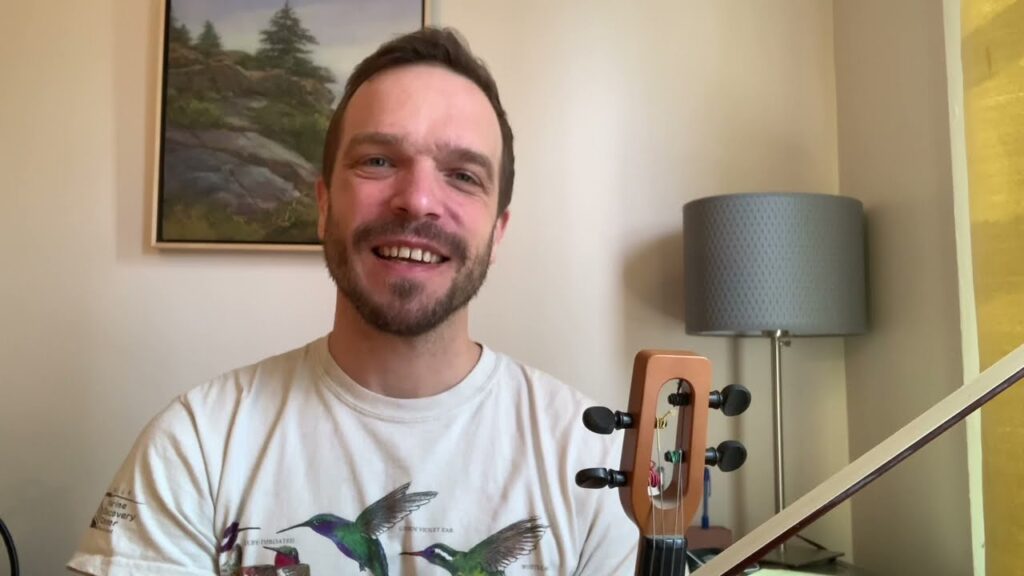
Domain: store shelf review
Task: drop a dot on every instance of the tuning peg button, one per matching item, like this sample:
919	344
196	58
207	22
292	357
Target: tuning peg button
603	421
733	400
728	456
600	478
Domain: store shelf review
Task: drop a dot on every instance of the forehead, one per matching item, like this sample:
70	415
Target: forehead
426	105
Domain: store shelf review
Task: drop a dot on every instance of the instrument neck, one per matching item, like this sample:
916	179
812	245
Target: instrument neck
662	556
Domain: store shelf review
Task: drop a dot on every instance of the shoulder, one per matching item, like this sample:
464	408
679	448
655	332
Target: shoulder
542	386
268	379
209	410
555	406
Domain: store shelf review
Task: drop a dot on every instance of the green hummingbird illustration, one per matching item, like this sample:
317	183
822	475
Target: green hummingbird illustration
284	556
492	555
287	563
358	540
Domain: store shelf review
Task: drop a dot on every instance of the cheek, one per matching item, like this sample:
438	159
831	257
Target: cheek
362	202
345	207
472	215
338	225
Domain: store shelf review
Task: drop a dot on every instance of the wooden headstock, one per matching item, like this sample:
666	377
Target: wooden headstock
663	513
651	370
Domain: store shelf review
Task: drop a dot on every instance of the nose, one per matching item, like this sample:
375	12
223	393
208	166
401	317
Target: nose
417	192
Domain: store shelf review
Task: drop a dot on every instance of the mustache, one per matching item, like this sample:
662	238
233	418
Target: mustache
427	230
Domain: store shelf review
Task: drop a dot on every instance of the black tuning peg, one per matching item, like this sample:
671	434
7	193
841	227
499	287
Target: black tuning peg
729	456
600	478
733	400
603	421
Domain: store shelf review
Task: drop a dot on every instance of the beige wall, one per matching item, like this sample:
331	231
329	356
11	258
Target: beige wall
622	116
894	155
621	113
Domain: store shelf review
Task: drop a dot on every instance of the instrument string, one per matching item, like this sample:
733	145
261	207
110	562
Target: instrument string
678	479
661	498
677	474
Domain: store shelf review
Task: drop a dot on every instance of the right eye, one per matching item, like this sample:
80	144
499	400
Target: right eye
376	162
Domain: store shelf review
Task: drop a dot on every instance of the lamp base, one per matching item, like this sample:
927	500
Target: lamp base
798	556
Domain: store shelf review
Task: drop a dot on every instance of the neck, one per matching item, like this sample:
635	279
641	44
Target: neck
399	366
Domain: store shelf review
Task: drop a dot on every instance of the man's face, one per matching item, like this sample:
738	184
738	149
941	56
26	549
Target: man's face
409	221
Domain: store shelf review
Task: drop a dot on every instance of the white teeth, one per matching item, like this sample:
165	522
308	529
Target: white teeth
406	253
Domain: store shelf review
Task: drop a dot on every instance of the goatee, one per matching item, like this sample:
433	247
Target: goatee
399	313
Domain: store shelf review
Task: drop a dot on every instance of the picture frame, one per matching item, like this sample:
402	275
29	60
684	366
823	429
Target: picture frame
246	89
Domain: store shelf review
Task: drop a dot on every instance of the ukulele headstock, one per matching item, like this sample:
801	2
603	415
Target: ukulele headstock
665	432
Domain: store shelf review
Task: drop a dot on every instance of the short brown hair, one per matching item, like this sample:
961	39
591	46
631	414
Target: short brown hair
443	47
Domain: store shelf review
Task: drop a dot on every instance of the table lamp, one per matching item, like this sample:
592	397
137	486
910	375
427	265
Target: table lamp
778	265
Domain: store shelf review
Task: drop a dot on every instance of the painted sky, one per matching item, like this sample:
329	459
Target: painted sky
347	30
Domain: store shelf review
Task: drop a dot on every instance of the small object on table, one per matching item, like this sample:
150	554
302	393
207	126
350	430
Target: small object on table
706	535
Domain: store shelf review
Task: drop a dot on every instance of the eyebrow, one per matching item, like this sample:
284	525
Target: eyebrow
445	151
380	138
460	154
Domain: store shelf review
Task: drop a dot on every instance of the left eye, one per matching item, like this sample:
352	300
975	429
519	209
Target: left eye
376	162
465	177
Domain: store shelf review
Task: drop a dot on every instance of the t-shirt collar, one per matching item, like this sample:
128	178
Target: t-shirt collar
375	405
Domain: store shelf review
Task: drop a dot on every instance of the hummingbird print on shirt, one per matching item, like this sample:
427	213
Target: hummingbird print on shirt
230	536
492	555
286	563
359	539
284	556
229	553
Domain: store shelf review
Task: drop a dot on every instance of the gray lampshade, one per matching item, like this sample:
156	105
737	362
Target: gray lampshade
774	261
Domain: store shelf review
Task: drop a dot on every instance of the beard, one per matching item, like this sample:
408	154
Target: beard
402	312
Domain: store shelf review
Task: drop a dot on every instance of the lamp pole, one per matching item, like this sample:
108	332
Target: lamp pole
778	339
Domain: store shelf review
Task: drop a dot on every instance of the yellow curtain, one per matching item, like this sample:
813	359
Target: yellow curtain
993	59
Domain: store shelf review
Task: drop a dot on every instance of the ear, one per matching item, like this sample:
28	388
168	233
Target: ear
498	234
323	202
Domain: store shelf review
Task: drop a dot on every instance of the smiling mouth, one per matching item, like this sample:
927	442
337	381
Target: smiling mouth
408	254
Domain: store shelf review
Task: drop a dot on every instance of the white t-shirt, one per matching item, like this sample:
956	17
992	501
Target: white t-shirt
479	477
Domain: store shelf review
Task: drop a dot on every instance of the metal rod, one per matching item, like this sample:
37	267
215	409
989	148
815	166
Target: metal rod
780	485
780	479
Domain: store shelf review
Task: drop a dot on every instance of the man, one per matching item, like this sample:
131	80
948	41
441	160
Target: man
396	444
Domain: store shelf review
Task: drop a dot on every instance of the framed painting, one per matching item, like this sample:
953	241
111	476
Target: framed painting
247	88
